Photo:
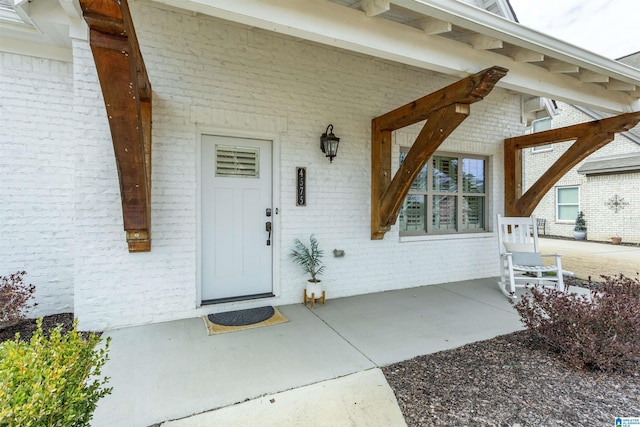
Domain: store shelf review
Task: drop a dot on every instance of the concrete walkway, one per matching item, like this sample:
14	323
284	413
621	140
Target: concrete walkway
173	370
173	373
361	399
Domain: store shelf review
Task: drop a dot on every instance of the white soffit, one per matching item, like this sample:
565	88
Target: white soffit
40	28
396	35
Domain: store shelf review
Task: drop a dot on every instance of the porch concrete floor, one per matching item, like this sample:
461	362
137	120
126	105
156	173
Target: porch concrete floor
169	371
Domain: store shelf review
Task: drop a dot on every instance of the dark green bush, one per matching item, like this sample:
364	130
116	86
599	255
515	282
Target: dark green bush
54	381
600	331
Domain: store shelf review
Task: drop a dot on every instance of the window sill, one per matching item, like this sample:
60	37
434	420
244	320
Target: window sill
541	150
457	236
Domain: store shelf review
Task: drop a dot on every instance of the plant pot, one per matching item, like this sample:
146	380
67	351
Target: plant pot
579	235
616	240
314	292
314	288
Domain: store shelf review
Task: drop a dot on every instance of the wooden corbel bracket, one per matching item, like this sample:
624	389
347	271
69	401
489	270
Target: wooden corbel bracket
127	96
589	137
443	110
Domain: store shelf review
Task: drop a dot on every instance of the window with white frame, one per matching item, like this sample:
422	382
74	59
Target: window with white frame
448	196
538	126
567	203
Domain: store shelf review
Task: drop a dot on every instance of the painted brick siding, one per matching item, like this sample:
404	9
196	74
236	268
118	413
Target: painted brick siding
604	222
595	191
209	74
36	177
115	287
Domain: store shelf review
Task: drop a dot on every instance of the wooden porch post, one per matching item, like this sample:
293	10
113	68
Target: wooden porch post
127	96
444	110
589	137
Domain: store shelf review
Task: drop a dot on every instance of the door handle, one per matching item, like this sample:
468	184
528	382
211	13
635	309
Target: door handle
268	229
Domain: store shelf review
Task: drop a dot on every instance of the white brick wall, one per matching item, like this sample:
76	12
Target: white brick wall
208	73
595	191
36	177
604	222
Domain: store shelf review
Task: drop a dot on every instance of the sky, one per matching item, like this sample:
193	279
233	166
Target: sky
610	28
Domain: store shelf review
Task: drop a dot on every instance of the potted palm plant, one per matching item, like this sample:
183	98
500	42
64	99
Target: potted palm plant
309	258
580	228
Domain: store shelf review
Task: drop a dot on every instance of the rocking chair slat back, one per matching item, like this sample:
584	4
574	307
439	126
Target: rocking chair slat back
517	230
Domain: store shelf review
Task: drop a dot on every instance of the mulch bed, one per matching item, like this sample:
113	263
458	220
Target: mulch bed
509	381
26	327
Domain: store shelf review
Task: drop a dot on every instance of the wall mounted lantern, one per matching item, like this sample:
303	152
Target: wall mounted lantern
329	143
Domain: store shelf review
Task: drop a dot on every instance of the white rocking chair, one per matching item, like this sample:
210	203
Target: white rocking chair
520	258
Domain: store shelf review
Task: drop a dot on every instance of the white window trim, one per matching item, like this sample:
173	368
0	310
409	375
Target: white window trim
541	148
565	221
449	236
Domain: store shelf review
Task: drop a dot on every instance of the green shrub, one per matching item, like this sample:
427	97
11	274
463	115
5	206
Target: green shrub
54	381
599	332
581	223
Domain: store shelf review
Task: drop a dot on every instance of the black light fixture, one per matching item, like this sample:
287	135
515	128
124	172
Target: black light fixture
329	143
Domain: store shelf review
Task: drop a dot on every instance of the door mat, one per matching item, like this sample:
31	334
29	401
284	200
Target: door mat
231	321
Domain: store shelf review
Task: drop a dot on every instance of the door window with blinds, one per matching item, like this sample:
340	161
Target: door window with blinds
239	162
448	196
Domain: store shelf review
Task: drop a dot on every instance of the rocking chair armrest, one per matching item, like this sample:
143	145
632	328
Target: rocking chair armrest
554	255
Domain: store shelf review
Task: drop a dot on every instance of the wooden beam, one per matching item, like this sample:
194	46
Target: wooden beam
512	176
561	67
381	141
525	55
591	77
466	91
444	110
434	26
620	123
482	42
439	126
622	86
580	150
589	137
127	96
375	7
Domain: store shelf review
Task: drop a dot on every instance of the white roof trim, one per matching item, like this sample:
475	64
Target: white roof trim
484	22
44	29
38	50
336	25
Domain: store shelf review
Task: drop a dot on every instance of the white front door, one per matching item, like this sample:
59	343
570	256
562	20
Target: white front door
236	207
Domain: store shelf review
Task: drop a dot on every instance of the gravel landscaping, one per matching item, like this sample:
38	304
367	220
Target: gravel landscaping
26	327
509	381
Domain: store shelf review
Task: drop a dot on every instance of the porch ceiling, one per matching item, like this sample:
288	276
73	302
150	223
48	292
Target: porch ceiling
445	36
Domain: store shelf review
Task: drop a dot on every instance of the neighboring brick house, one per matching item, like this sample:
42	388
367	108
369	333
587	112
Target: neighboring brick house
258	82
605	186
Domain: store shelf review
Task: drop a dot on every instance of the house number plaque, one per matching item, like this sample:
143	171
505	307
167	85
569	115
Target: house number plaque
301	186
